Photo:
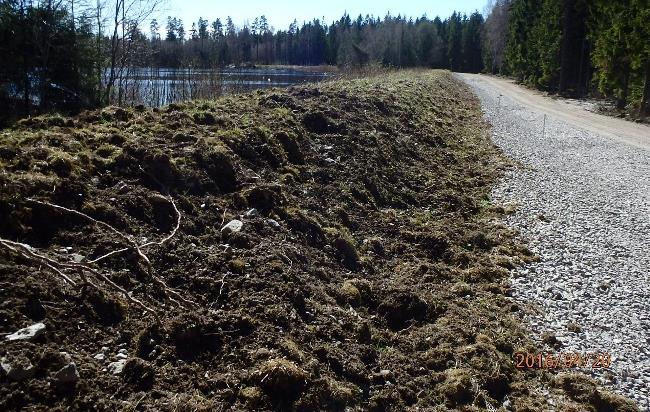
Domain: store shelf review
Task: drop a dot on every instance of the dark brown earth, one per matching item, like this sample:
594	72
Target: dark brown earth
372	276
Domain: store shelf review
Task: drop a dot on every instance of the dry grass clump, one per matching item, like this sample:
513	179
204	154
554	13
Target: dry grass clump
282	379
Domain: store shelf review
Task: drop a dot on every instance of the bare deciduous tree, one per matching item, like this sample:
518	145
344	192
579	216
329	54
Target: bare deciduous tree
126	15
494	34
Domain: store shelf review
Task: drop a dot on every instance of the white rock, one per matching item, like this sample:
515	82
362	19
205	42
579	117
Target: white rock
100	357
28	333
117	367
232	226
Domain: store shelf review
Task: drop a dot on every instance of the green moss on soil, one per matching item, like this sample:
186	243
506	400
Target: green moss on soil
371	278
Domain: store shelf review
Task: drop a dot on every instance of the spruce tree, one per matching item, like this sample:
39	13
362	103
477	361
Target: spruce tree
520	55
454	45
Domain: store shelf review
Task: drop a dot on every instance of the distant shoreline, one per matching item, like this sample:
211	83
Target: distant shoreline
308	69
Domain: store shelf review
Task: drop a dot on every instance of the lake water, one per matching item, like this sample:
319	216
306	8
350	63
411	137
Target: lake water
160	86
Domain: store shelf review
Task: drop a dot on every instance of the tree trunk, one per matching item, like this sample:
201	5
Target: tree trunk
565	48
644	107
98	50
581	69
622	98
26	59
114	48
26	86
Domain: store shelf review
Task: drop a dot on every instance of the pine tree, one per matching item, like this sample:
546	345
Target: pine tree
217	29
612	51
154	30
640	37
621	51
545	41
520	55
454	42
171	29
471	43
203	28
427	39
440	59
230	27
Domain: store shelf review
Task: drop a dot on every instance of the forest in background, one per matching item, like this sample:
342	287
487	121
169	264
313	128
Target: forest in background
392	41
574	47
72	55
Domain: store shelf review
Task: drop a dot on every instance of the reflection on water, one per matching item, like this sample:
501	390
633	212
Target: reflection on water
161	86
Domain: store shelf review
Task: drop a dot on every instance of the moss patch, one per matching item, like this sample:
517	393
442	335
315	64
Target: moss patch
371	276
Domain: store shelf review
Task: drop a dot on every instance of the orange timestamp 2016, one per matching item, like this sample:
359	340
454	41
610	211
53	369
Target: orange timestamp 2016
563	360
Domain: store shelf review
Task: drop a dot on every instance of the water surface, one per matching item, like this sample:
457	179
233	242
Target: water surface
161	86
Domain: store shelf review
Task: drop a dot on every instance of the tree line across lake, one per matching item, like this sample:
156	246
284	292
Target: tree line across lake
72	55
391	41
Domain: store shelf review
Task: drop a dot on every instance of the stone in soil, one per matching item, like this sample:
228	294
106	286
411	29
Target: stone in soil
29	333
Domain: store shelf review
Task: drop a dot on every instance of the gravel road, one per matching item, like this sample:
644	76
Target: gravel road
583	204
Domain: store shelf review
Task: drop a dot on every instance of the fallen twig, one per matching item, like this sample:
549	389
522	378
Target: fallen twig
223	218
171	294
29	253
83	269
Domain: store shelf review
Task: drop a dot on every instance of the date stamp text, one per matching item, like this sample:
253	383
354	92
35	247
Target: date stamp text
563	360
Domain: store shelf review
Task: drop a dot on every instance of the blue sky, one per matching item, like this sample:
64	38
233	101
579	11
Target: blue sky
281	13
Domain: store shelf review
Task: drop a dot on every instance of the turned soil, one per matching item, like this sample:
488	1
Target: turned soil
370	271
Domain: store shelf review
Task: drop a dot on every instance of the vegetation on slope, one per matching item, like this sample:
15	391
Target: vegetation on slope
370	270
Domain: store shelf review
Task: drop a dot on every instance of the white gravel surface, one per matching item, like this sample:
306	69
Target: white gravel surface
583	206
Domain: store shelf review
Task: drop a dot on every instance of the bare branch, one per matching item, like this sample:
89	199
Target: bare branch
171	294
29	253
85	216
173	232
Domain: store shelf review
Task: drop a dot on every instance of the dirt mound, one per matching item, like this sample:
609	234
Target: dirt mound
312	248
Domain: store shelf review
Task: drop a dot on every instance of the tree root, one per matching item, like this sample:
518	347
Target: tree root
29	253
83	269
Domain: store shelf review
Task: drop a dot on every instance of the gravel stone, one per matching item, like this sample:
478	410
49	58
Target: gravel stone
28	333
117	367
17	371
67	374
252	213
232	227
594	240
273	223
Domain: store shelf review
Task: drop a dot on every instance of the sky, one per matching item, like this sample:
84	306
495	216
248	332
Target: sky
281	13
